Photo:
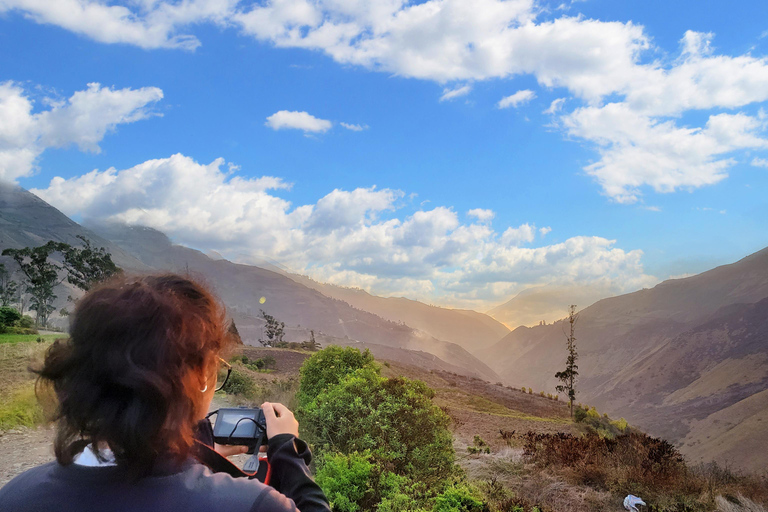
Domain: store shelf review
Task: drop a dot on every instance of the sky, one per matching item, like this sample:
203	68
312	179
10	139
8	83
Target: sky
452	151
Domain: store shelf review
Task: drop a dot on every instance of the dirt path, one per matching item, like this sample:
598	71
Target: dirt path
22	449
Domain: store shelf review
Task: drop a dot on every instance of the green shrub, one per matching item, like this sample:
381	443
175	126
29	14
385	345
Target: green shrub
240	384
328	367
393	419
458	498
26	322
478	446
9	316
346	480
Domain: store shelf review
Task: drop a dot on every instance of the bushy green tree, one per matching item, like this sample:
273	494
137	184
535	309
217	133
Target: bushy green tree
328	367
41	273
87	265
383	444
393	419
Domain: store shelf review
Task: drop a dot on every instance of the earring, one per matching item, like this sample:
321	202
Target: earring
204	389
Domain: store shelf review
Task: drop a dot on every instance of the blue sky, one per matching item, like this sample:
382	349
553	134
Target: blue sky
653	163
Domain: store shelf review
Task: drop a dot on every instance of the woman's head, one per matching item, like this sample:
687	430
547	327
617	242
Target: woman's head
134	372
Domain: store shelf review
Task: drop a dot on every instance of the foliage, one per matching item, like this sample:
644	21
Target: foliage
8	287
262	364
240	384
84	267
9	316
591	420
394	419
234	333
274	330
41	274
346	480
88	265
459	498
383	444
568	376
312	343
328	367
478	446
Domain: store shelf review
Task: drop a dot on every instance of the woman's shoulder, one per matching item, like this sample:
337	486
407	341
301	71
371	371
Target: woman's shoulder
194	488
21	485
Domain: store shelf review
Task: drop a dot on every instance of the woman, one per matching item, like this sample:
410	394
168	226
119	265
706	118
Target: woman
134	379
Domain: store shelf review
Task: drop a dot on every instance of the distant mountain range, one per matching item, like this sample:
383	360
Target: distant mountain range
681	360
26	220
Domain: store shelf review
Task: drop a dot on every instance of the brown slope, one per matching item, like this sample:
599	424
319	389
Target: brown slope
473	331
637	349
242	286
614	332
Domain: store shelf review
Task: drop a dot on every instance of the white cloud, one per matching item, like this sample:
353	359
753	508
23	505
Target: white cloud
354	127
516	236
451	94
545	231
450	41
555	106
760	162
517	99
82	120
638	150
146	24
285	119
352	238
481	214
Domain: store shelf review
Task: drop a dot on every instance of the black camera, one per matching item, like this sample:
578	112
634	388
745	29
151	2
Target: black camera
240	426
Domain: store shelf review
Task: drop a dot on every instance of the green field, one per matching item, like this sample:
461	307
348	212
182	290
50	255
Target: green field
21	338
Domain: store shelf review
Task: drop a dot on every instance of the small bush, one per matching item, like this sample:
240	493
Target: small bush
459	498
240	384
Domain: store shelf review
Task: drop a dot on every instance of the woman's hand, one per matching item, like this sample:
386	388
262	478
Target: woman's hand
228	450
280	420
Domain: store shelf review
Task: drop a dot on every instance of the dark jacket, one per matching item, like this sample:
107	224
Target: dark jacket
191	488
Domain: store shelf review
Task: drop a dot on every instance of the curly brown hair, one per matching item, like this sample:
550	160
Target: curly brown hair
129	374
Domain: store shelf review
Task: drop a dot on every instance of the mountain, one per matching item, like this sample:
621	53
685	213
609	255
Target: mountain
546	303
672	359
26	220
473	331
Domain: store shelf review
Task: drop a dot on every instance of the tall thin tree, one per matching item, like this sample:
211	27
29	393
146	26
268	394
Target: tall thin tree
568	376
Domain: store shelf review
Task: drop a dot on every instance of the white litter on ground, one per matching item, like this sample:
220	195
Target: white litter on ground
631	502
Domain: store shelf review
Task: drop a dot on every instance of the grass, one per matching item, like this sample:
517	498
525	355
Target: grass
18	403
483	405
21	409
26	338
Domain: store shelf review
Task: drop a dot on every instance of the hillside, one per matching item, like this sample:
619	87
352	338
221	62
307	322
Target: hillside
242	287
473	331
665	358
26	220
